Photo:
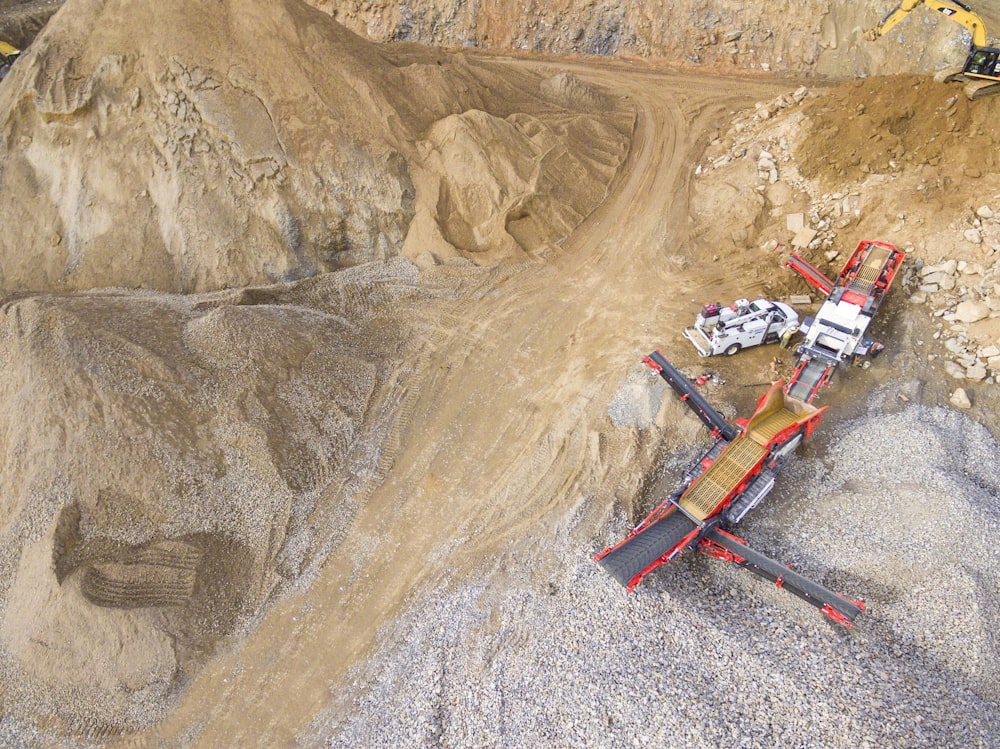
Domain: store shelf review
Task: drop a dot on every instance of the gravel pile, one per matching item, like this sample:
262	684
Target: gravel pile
706	655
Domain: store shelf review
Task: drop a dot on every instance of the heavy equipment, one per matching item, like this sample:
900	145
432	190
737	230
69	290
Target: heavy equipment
980	72
8	55
839	331
734	474
726	330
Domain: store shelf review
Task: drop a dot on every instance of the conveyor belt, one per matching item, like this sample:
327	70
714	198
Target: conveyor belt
869	272
794	583
803	387
765	431
724	475
635	554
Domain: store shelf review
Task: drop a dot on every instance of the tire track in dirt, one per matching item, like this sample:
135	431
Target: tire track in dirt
504	419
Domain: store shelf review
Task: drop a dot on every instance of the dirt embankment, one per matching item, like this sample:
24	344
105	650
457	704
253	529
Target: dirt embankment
171	462
310	154
888	125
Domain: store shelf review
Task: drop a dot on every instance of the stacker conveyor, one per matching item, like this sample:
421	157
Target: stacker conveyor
739	468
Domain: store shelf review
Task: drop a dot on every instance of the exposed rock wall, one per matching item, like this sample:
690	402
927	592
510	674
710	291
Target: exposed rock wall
823	37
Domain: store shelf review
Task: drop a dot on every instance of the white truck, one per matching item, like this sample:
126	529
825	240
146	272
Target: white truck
726	330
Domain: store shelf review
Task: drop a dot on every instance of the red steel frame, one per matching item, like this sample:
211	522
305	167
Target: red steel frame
808	427
814	277
849	272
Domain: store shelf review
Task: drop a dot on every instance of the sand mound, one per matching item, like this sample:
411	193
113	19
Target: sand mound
167	463
883	125
505	186
244	144
170	462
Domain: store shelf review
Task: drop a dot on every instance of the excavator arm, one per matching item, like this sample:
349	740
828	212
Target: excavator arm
958	12
8	54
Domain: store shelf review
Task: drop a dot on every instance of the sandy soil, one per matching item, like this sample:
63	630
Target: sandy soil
217	502
508	433
507	425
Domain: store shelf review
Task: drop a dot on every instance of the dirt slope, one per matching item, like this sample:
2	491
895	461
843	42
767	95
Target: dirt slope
187	473
309	154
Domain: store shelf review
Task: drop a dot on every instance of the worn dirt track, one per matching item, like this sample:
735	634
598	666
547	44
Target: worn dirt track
513	383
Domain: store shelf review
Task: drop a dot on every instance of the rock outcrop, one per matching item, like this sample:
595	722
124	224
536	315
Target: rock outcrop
810	37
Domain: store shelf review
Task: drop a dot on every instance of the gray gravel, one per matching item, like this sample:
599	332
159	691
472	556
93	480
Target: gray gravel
901	511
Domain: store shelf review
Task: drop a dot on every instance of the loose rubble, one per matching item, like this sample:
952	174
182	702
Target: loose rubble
964	298
704	654
961	290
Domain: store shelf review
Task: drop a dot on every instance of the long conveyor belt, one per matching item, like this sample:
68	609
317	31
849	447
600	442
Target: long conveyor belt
804	386
627	560
786	579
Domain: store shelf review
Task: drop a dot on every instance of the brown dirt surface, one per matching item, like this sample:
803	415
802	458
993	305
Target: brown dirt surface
297	328
311	155
887	124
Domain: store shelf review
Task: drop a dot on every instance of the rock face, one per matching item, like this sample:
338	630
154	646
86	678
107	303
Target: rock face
807	37
235	168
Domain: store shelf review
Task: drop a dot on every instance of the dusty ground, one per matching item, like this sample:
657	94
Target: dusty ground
219	503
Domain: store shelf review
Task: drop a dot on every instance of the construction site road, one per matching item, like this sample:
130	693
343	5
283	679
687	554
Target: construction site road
513	385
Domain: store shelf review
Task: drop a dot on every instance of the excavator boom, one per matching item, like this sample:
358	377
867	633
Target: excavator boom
957	11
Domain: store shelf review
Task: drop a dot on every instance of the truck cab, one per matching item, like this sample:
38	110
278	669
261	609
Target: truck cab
742	324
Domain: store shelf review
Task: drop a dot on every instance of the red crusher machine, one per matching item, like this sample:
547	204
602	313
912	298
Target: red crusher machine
740	467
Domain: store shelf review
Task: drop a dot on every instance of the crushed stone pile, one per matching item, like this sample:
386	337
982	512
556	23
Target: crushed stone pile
169	463
567	658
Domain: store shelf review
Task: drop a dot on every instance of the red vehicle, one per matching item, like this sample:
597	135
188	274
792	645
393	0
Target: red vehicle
739	469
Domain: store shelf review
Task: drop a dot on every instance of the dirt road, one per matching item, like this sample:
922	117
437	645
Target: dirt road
506	428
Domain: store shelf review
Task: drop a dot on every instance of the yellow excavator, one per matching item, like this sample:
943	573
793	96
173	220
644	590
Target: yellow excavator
981	72
8	55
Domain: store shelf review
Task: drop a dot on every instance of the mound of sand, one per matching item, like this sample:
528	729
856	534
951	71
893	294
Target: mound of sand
167	463
186	147
507	186
886	125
